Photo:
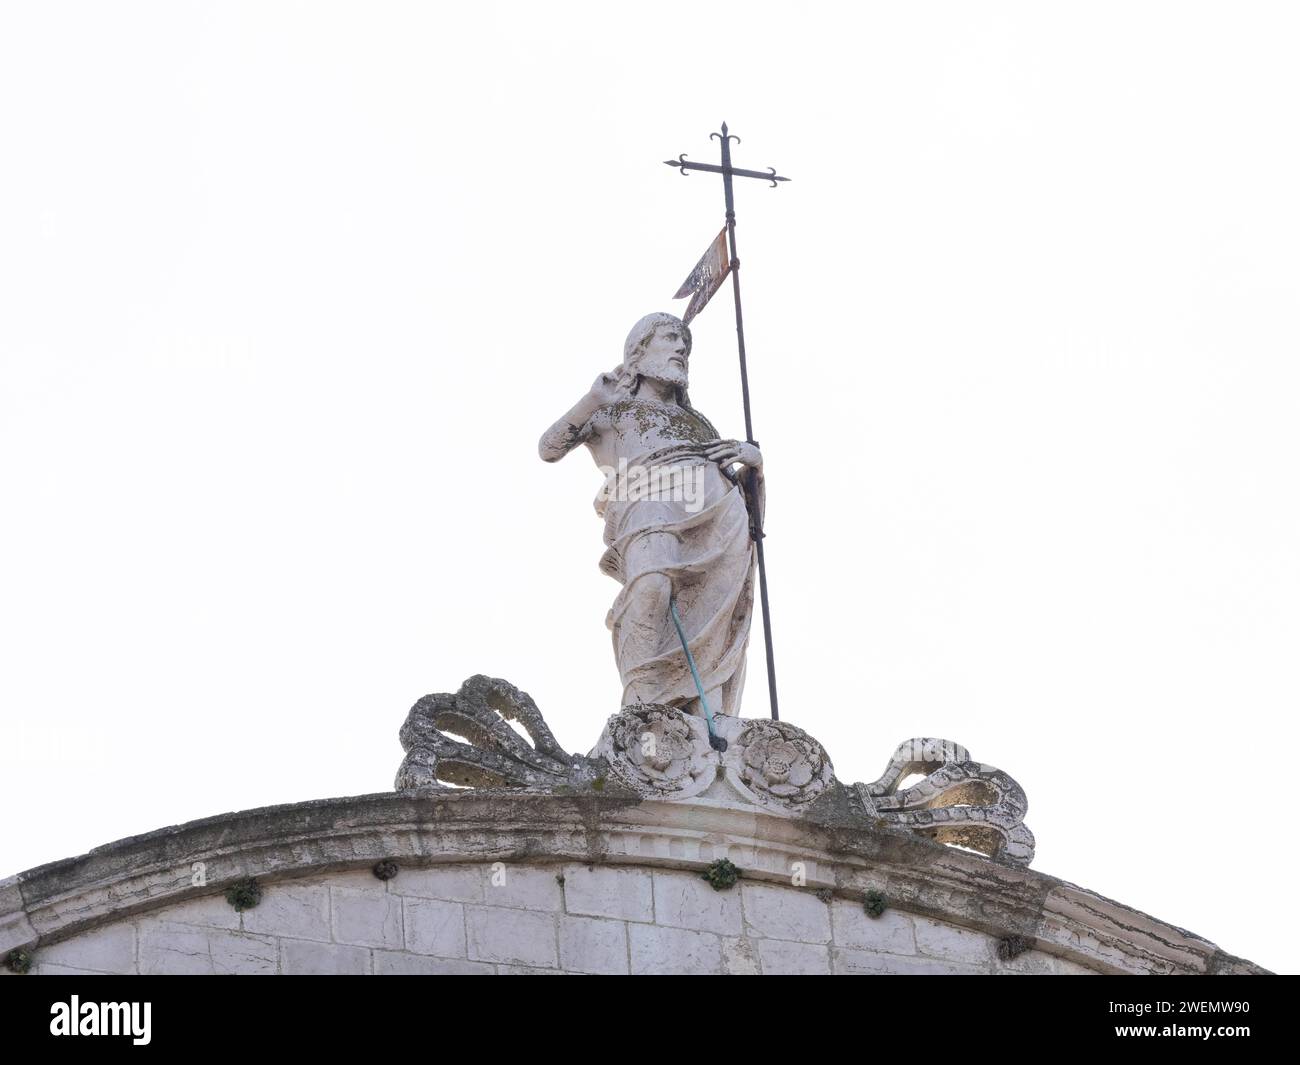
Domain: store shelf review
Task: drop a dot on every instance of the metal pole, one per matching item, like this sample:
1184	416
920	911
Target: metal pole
749	426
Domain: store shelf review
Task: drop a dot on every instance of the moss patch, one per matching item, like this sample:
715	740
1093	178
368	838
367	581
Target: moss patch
244	895
722	874
1011	947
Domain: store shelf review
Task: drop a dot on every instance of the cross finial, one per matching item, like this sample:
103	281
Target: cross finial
726	169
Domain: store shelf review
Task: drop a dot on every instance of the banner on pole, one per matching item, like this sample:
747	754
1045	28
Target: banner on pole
706	278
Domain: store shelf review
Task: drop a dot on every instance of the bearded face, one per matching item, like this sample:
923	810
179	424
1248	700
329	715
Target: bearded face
664	357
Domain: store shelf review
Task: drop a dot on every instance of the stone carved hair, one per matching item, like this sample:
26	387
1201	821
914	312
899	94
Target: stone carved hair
643	332
634	348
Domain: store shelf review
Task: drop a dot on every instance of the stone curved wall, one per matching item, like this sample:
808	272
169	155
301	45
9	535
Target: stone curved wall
531	918
506	882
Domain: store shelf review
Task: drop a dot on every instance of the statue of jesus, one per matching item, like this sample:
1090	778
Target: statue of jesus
677	523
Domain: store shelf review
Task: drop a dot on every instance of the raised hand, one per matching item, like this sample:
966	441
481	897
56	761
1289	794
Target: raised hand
607	388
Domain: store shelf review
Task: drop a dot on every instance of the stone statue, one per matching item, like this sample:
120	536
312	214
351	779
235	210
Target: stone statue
677	522
682	509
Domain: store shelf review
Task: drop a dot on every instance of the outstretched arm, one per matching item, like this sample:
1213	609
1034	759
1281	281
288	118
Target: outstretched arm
575	427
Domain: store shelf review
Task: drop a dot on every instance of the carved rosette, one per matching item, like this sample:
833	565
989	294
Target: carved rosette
777	765
658	752
957	800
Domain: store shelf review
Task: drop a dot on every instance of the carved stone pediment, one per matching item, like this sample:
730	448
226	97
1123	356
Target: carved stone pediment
658	752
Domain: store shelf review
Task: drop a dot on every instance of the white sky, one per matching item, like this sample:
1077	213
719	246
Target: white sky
288	293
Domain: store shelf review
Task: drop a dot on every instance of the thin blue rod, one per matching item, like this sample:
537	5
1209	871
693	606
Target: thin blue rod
690	660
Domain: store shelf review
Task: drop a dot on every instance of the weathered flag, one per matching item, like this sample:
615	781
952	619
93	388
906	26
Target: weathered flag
706	278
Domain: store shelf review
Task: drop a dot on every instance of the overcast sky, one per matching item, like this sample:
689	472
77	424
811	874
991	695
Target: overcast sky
289	291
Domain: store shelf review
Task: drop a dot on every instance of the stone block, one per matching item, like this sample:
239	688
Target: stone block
243	954
173	949
452	883
593	945
940	940
515	937
624	894
780	957
297	911
40	968
167	948
396	963
110	949
522	886
206	911
686	900
862	961
357	879
740	957
434	927
785	913
308	958
673	950
890	933
365	917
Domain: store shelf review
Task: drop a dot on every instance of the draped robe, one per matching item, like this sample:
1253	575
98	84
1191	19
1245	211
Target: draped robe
704	548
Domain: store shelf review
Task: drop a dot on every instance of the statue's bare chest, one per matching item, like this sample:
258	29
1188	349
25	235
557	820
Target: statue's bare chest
634	425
